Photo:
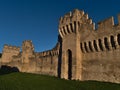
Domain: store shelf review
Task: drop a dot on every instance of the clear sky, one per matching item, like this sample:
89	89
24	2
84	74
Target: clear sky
37	20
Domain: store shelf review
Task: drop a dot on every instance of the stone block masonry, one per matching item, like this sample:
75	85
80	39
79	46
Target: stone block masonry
82	52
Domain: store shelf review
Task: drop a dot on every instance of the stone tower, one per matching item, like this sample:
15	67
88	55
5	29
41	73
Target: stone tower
27	51
71	28
71	57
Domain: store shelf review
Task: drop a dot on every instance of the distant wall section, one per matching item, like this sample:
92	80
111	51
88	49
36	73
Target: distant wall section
9	52
47	62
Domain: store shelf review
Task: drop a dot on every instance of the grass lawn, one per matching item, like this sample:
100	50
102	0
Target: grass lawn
24	81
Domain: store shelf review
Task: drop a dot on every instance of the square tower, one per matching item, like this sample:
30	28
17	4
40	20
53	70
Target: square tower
27	51
71	53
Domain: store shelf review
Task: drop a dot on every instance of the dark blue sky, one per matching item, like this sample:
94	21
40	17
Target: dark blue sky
37	20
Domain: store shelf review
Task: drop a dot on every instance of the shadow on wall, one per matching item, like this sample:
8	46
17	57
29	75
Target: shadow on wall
7	69
60	57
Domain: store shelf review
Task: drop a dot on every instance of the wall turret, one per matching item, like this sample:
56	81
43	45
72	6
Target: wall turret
27	51
74	21
70	27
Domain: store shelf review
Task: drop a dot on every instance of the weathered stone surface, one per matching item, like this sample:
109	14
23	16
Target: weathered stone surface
81	53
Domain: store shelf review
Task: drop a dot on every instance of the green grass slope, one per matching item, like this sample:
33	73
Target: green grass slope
24	81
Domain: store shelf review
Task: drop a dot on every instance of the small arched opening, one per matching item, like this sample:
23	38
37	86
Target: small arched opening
100	44
106	43
90	46
85	46
112	42
95	45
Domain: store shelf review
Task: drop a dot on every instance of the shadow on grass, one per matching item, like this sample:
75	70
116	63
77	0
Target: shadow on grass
7	69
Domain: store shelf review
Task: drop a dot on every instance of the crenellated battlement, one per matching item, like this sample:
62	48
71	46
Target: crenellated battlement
48	53
27	46
10	48
77	20
106	24
82	52
27	41
71	17
8	52
72	22
52	52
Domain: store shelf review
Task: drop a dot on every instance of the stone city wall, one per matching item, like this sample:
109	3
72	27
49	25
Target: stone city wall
82	53
47	61
101	53
8	52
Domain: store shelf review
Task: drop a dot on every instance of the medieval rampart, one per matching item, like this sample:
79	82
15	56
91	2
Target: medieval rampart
47	61
29	61
99	48
83	52
8	52
100	52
